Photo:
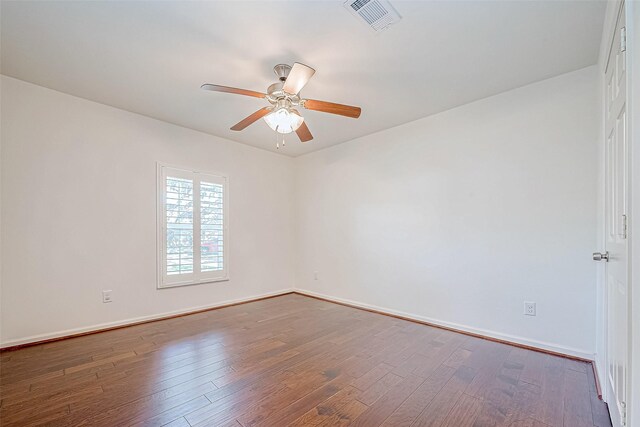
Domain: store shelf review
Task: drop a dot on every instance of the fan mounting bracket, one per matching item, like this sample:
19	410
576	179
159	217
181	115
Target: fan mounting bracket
282	71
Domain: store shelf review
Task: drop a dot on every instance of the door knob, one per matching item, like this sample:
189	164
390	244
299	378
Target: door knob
599	256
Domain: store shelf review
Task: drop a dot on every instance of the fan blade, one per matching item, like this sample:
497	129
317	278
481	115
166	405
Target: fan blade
330	107
304	133
227	89
252	118
297	78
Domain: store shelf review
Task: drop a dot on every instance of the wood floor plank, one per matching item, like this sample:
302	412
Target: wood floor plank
529	422
499	393
36	416
221	409
533	371
181	422
292	360
524	405
443	403
345	414
298	386
327	409
301	406
413	406
577	402
379	389
173	414
464	412
550	408
389	402
371	377
148	406
55	400
458	358
599	412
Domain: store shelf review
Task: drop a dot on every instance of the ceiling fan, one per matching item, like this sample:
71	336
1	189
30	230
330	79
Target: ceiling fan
284	96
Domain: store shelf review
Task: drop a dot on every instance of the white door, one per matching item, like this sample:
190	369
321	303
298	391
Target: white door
616	216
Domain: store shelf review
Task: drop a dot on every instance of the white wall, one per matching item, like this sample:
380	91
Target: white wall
78	214
460	217
456	218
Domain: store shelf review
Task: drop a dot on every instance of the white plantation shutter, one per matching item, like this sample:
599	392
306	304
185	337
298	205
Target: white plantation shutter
212	226
179	225
192	228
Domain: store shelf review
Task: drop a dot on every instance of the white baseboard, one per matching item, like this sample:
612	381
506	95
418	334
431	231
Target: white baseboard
464	328
556	348
134	320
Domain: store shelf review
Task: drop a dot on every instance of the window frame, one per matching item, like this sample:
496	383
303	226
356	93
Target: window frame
162	171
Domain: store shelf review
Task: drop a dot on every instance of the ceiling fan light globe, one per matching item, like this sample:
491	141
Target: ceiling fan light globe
284	120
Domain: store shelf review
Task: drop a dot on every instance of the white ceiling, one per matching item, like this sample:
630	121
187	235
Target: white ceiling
152	57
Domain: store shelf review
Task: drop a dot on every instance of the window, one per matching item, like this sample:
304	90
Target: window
192	227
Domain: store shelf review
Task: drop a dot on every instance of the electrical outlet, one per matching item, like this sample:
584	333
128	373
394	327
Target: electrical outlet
315	275
106	296
529	308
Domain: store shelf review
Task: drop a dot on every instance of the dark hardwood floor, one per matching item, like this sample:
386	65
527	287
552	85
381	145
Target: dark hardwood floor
292	360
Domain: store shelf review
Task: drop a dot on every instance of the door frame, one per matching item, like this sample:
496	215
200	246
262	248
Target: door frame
633	93
632	25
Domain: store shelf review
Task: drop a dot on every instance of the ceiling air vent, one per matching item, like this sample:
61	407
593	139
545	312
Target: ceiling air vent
377	14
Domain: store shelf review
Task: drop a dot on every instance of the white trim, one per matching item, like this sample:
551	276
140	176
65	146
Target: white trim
492	334
134	320
608	32
557	348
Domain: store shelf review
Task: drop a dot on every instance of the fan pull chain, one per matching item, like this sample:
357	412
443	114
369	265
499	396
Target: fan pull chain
277	139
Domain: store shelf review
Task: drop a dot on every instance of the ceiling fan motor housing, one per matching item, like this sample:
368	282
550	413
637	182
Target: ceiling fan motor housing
275	94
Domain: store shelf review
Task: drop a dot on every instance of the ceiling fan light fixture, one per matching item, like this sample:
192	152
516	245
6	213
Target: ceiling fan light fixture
284	120
284	96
